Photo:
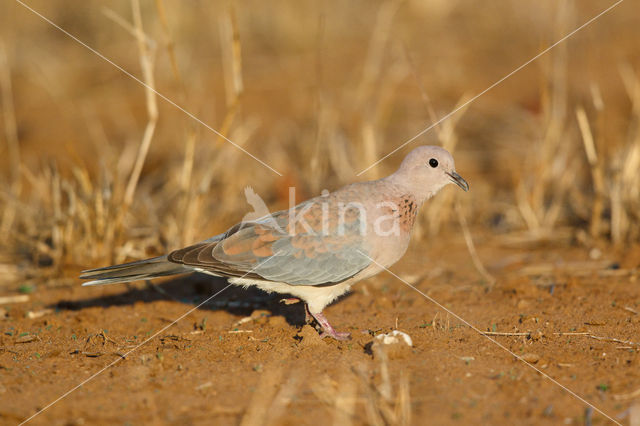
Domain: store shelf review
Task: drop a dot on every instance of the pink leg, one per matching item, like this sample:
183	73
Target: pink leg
329	331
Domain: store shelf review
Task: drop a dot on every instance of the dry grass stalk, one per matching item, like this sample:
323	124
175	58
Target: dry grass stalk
188	213
377	114
316	165
232	63
403	401
20	298
131	29
541	189
372	82
375	54
345	401
627	396
282	400
626	186
544	200
501	333
8	113
170	46
597	174
189	200
384	388
385	403
146	63
472	248
258	408
77	218
371	405
11	135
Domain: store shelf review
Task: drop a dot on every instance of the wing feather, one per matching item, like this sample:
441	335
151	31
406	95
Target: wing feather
274	249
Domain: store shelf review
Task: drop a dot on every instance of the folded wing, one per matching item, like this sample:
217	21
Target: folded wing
310	246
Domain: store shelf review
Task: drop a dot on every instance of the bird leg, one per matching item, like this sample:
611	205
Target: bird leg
328	330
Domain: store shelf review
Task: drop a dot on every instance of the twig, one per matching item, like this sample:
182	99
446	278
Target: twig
282	400
262	399
232	48
572	333
188	204
630	309
38	314
375	54
204	386
471	247
11	134
612	339
500	333
596	171
20	298
577	333
119	20
593	336
625	396
146	63
170	45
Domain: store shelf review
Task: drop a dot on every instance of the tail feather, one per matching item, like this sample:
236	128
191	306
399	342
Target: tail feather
133	271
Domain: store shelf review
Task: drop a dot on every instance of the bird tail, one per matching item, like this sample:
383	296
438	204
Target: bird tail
133	271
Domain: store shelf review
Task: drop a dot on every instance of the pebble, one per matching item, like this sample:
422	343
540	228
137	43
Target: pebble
396	344
531	357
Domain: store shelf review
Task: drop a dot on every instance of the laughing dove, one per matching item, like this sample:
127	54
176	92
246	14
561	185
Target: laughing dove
318	249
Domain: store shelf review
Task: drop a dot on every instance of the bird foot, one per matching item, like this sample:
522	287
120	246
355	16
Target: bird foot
328	330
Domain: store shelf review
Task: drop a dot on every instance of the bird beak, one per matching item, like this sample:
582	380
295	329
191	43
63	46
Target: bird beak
458	180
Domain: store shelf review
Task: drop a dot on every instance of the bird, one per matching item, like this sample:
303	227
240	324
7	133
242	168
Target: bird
314	251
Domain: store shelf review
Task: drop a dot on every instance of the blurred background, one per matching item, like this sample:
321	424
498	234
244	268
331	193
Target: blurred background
95	169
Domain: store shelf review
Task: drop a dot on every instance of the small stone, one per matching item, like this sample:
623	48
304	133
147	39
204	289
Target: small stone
396	344
26	339
531	357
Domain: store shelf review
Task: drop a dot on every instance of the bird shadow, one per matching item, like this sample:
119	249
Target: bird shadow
195	289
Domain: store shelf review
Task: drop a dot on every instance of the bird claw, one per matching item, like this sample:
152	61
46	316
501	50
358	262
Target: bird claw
328	330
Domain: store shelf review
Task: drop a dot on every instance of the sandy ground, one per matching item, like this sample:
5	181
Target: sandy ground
217	366
327	89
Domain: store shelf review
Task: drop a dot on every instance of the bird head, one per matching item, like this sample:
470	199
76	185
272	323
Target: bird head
426	170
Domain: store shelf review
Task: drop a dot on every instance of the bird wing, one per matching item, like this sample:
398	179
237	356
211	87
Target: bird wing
308	245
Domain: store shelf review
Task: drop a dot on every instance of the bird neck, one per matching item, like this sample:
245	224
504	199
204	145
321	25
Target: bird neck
402	180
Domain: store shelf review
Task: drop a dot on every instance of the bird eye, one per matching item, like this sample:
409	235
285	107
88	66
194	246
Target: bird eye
433	163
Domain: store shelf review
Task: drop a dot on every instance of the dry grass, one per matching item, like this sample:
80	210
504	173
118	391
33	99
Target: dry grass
97	170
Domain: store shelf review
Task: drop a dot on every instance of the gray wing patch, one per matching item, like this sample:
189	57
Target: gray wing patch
298	254
277	251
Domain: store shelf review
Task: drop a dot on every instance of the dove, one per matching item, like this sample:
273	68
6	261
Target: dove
317	250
